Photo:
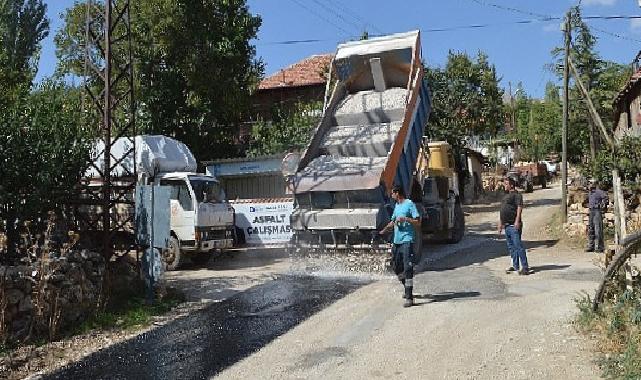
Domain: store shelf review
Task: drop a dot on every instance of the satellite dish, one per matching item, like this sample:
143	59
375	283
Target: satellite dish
289	166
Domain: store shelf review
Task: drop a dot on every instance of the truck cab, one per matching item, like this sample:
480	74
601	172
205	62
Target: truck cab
201	221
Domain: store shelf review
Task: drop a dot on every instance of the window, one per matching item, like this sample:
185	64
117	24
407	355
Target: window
179	192
207	190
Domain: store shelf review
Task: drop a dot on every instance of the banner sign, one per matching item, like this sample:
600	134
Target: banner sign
264	223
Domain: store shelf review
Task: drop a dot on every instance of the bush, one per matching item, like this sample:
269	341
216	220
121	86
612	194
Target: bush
617	330
626	159
44	149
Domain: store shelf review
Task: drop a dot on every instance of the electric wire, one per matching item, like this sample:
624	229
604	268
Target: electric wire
478	26
319	16
355	15
551	18
329	9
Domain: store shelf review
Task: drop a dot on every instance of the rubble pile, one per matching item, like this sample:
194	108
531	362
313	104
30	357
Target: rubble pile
50	295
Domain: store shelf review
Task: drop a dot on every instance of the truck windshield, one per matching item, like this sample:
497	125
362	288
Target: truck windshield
207	190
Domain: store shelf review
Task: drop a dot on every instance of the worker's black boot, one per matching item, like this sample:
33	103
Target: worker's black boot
409	297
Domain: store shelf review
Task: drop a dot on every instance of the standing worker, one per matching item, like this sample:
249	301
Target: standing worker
404	219
510	220
597	203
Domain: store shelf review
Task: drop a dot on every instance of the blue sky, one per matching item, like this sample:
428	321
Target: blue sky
519	51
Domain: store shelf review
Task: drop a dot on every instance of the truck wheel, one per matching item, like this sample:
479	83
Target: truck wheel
201	258
172	256
459	225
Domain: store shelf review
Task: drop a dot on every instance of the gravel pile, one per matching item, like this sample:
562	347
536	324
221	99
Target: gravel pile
334	165
362	134
372	107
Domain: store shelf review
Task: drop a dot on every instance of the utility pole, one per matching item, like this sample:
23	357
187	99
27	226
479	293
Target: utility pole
566	115
512	108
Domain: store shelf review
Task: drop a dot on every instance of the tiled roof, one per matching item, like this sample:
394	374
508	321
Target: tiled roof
310	71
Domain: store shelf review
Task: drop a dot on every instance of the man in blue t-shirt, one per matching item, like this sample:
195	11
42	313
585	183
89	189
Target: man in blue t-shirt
404	219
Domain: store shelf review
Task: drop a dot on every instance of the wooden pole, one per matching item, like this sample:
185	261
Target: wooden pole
566	116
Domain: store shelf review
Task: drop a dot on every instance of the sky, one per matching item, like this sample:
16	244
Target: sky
520	51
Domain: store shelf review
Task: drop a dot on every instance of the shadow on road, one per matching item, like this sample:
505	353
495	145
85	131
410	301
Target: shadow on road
543	268
532	244
441	297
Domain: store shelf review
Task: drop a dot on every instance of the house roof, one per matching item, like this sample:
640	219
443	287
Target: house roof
631	88
308	72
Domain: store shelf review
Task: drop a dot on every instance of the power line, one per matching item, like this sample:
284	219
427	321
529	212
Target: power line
475	26
338	15
551	18
355	15
302	5
515	10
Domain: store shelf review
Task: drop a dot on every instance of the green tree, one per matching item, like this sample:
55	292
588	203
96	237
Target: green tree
43	152
602	78
290	128
23	25
538	123
466	99
194	67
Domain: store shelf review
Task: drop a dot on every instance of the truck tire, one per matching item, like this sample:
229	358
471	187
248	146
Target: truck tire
458	231
172	256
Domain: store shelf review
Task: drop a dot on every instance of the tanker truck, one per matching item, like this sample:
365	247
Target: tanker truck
201	219
369	139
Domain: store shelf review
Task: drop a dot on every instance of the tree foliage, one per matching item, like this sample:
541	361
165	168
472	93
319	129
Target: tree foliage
466	98
23	25
194	67
604	79
43	151
625	158
538	123
291	128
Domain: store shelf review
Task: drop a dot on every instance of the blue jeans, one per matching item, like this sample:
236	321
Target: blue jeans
515	247
403	263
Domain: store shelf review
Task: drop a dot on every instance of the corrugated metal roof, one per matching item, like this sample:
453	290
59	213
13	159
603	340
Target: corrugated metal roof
263	200
245	159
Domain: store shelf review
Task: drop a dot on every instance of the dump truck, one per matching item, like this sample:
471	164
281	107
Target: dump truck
530	174
442	217
201	219
369	139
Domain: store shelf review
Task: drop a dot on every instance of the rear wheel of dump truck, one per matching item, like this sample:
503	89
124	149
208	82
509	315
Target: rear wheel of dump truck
458	231
172	256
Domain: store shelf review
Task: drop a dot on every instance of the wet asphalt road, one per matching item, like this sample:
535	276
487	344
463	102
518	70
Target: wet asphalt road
206	342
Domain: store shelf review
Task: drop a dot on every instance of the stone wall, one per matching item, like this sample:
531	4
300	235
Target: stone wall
578	213
50	295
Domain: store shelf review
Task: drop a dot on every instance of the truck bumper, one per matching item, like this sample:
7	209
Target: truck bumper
206	246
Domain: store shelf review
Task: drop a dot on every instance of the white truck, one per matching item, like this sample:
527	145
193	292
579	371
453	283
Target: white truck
201	219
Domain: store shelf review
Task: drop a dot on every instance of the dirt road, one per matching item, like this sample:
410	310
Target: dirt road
472	321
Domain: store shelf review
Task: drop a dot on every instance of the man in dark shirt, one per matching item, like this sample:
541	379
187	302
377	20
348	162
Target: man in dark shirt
597	203
510	220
